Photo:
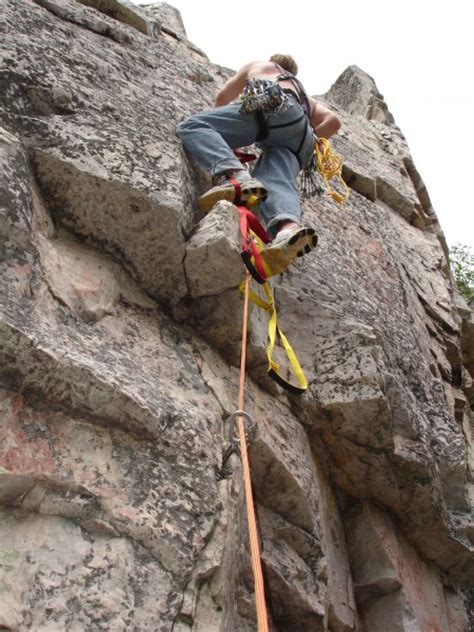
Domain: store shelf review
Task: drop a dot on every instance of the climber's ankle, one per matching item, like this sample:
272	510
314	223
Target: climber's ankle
238	174
287	224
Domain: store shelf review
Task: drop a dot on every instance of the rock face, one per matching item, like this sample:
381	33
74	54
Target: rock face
119	338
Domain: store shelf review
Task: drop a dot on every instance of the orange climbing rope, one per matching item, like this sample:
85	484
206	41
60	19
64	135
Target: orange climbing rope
262	617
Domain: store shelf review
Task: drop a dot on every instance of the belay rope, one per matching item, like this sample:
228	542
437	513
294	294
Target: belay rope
253	238
260	603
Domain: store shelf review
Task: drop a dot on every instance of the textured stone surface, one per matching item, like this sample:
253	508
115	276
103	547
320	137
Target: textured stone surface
357	93
120	328
397	590
48	556
168	17
213	264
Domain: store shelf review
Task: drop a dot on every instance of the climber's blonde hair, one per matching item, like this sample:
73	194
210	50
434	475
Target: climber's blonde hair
287	62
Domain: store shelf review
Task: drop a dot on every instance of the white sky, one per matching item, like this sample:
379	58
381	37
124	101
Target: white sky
420	54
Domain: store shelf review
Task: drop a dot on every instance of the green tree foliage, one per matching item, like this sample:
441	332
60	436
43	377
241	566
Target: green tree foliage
462	266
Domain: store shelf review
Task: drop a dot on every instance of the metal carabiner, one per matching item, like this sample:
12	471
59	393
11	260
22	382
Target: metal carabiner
234	441
248	430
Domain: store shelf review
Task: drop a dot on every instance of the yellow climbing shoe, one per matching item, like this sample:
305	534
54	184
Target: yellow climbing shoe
287	245
245	192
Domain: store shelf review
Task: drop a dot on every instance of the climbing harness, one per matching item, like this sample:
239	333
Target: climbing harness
327	162
298	91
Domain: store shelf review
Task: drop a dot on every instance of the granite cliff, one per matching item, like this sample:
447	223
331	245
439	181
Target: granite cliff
119	338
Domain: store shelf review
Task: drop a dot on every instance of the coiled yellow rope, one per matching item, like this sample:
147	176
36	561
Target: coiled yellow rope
330	166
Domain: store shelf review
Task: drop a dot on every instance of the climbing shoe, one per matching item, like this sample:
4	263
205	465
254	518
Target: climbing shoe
246	192
287	245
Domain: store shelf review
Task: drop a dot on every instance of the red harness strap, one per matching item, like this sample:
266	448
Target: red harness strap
250	251
238	190
244	156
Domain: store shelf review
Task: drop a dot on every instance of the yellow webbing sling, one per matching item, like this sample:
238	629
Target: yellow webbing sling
273	329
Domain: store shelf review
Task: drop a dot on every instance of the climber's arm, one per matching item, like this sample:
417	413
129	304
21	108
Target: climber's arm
233	87
325	122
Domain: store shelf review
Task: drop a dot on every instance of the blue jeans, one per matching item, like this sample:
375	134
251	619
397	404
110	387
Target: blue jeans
211	136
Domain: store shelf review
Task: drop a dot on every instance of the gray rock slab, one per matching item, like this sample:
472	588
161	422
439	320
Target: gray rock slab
213	264
120	327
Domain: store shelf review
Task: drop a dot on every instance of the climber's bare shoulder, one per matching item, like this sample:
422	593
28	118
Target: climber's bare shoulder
261	70
252	70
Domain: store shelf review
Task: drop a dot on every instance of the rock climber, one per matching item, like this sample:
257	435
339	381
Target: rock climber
265	103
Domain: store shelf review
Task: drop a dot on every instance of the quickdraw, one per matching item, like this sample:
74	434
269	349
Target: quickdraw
234	440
